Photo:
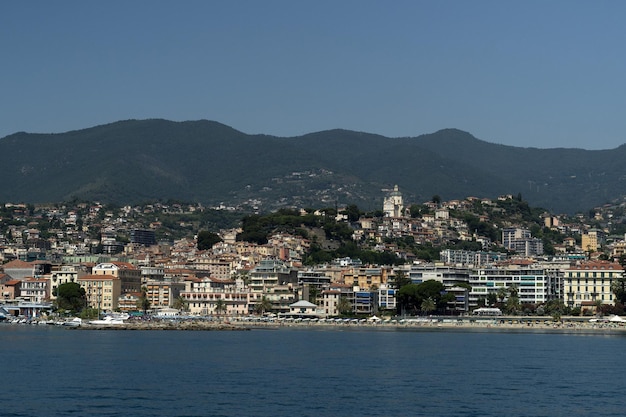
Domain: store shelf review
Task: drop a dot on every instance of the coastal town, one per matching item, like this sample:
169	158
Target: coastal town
127	261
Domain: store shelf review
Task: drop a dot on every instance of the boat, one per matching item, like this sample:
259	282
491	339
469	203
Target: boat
108	321
75	322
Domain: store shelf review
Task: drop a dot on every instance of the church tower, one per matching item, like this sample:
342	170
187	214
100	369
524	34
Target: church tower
393	205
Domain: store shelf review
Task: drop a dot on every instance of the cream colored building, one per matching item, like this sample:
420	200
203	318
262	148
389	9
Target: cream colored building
330	300
590	282
163	293
128	274
62	274
589	241
365	278
203	296
102	291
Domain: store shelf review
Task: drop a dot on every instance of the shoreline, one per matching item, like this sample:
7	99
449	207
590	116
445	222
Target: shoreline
483	325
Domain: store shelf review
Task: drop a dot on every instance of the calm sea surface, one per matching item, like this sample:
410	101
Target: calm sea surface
50	371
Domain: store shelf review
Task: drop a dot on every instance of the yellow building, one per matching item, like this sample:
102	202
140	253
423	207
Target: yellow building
128	274
589	242
590	282
365	278
102	291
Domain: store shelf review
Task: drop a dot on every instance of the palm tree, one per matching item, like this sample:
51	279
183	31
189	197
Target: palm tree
180	303
220	306
143	302
428	305
264	305
344	306
502	294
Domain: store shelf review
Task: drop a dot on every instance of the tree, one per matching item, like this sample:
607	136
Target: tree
618	287
180	304
400	280
428	305
512	305
555	306
407	299
492	299
314	293
344	307
502	294
143	303
220	306
264	305
70	296
89	313
417	210
353	213
410	297
206	240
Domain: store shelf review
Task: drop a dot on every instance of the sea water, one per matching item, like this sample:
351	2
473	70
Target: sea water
50	371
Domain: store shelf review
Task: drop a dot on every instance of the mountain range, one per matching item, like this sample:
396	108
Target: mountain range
204	161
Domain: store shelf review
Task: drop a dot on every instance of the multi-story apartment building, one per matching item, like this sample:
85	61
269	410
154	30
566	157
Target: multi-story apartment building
365	278
280	297
589	282
449	276
269	273
311	284
163	293
34	290
331	297
62	274
387	298
330	301
203	297
473	258
590	240
102	291
152	273
534	284
521	241
365	302
128	274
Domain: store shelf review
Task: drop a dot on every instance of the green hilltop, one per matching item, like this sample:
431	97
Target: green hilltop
145	160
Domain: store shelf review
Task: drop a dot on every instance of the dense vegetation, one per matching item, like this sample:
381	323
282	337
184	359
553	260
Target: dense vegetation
138	160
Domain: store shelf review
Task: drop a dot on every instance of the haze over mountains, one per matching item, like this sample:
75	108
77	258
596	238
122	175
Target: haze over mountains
203	161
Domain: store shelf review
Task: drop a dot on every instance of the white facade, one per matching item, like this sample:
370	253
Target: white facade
393	205
534	284
590	282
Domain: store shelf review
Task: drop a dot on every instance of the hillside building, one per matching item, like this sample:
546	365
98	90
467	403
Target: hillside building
393	205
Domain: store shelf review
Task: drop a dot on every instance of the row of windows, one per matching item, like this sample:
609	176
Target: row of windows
586	281
579	296
589	289
509	278
593	274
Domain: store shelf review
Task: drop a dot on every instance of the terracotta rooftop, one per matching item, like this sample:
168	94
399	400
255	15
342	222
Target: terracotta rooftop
17	264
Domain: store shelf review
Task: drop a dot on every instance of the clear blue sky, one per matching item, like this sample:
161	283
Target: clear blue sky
526	73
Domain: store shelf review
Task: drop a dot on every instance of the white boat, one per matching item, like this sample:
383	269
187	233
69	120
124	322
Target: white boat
75	322
108	321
